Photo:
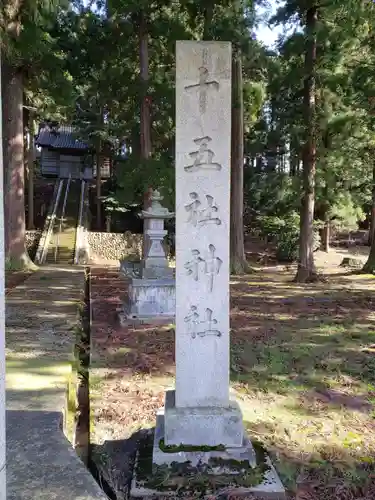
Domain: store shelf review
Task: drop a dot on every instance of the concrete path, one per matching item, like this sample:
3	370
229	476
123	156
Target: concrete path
41	321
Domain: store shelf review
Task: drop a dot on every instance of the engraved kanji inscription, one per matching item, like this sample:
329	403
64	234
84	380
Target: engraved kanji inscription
192	265
201	328
204	83
203	158
210	266
200	215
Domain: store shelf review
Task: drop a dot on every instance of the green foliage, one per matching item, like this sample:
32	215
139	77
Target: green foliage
269	193
83	67
345	214
284	232
112	204
135	176
345	126
102	57
30	45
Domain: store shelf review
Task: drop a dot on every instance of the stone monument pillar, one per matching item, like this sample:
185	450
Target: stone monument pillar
200	412
200	427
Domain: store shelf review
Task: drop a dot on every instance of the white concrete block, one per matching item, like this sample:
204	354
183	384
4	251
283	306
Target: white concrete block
244	453
203	426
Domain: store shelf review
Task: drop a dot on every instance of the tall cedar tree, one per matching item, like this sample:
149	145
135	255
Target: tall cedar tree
306	268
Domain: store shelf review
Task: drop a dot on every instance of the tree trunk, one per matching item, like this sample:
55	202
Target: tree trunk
30	172
306	268
326	229
145	115
12	105
372	222
237	247
208	16
99	186
326	235
145	103
294	157
369	267
293	165
108	223
3	465
259	163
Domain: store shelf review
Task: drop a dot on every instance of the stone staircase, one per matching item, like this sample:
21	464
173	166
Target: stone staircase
66	239
65	251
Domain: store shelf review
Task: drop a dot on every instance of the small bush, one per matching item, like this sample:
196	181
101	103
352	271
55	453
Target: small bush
287	247
285	233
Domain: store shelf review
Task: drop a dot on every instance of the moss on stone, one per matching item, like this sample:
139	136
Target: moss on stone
235	465
196	481
260	453
186	447
144	464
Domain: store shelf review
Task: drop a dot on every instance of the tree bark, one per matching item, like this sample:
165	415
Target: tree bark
306	268
258	164
208	16
108	223
2	324
237	246
99	186
294	157
372	222
145	103
326	235
30	173
369	267
15	228
145	116
326	229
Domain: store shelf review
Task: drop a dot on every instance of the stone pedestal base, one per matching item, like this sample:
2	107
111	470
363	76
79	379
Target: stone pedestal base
229	473
150	299
147	321
164	454
211	426
156	272
130	269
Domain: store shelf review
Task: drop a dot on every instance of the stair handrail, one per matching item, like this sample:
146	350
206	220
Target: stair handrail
85	226
62	215
50	220
78	244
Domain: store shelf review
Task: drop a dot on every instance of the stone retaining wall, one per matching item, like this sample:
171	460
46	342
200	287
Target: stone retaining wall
114	246
32	241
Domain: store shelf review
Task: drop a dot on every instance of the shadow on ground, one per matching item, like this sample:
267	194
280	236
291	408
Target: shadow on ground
302	366
112	463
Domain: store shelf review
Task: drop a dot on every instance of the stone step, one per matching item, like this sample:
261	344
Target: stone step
41	321
66	247
67	237
41	463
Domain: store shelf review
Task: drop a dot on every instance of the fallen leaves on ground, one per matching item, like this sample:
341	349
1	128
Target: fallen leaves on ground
303	367
15	278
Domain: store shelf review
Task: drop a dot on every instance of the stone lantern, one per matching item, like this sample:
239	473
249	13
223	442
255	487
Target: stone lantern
152	291
155	263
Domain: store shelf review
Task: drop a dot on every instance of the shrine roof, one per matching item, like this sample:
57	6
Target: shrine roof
61	138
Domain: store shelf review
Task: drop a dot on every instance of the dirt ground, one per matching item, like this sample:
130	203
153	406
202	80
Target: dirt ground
302	368
15	278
